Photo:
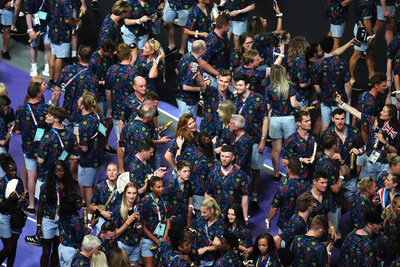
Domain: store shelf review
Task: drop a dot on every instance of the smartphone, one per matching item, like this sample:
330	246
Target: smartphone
221	8
152	16
130	212
97	213
275	3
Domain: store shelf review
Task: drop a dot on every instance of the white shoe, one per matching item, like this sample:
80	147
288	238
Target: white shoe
33	72
45	73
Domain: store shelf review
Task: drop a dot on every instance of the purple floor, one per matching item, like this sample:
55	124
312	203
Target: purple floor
28	255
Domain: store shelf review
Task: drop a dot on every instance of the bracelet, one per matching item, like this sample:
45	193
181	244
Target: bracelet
329	253
38	224
360	150
341	177
280	15
341	104
331	228
29	30
370	37
138	21
387	145
240	11
191	206
196	34
246	219
267	222
207	248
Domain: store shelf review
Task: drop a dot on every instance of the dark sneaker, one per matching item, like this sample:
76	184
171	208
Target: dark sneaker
51	85
33	240
95	5
178	57
277	179
169	52
110	150
29	211
356	86
6	55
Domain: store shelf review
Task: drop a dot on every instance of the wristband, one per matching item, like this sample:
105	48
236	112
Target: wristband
29	30
329	253
196	34
340	177
138	21
207	248
38	224
280	15
341	104
332	228
267	222
191	206
370	37
240	11
246	219
360	150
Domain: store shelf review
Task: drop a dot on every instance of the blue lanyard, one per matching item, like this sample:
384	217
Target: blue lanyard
33	115
366	232
158	208
169	264
269	258
59	138
5	178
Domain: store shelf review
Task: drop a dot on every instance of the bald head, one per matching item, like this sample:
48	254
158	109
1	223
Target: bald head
198	47
140	85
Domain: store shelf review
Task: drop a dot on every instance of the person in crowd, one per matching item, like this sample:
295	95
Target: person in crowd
286	195
99	259
9	233
153	212
186	131
242	143
178	255
99	63
228	247
58	143
209	229
228	184
225	111
178	193
365	201
119	85
234	223
392	65
9	114
298	224
90	136
216	58
202	159
363	19
391	215
382	138
90	245
200	22
53	192
43	87
359	248
252	107
337	13
139	167
391	189
212	97
110	28
119	258
251	67
332	163
74	81
179	10
105	195
5	131
30	124
108	238
60	35
281	104
394	167
264	252
385	13
37	30
331	74
127	220
302	144
350	144
308	249
132	133
189	81
150	63
245	43
137	25
7	19
72	228
270	45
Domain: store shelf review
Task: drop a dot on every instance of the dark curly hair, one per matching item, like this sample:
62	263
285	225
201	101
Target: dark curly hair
67	180
271	251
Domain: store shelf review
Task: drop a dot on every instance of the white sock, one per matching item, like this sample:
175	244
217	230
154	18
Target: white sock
34	66
74	53
46	67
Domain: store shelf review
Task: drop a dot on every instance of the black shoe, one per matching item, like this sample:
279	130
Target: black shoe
110	150
169	52
254	206
277	179
29	211
33	240
6	55
356	86
51	85
75	59
178	57
95	5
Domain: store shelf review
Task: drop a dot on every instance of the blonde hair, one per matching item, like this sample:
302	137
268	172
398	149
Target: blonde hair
124	202
99	259
3	89
297	48
365	183
158	50
278	77
393	159
391	211
227	109
211	203
89	102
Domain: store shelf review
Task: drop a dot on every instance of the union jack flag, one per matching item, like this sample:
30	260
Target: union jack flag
390	131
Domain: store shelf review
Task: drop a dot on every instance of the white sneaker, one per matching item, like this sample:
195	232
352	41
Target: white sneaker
45	73
33	72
